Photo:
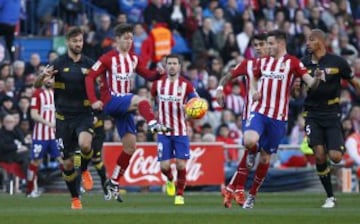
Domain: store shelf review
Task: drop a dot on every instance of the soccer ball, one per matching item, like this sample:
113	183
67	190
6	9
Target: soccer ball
196	108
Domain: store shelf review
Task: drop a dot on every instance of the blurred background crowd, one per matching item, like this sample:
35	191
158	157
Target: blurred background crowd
213	36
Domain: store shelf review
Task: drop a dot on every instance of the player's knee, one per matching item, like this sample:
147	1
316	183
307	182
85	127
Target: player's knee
85	147
129	150
335	156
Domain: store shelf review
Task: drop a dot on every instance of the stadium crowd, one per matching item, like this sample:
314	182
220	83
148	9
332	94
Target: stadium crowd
213	36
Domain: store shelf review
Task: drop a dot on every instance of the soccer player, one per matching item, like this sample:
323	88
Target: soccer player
172	92
116	69
235	188
74	118
322	108
269	111
97	144
43	139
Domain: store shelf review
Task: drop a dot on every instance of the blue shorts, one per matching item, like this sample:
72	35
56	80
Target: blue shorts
41	147
169	147
118	107
271	131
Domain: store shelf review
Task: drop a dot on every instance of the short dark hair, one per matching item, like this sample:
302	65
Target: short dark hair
260	36
73	32
278	34
173	56
123	28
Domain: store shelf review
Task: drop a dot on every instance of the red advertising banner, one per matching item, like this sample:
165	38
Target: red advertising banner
205	166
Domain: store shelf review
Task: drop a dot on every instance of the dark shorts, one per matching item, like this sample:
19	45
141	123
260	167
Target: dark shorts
68	131
325	130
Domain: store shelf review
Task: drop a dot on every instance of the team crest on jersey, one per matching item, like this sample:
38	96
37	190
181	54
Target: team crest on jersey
66	69
84	71
331	71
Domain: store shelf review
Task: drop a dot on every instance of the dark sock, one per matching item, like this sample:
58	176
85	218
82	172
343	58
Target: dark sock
85	159
100	168
323	171
71	179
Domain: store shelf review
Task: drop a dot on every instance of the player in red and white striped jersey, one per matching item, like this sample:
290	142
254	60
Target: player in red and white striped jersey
235	188
172	92
269	112
116	69
43	113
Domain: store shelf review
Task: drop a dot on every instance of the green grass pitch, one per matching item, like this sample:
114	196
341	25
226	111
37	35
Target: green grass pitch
270	208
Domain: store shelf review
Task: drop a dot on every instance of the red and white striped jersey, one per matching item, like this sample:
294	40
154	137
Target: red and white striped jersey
235	103
214	104
275	83
117	71
246	68
43	101
171	97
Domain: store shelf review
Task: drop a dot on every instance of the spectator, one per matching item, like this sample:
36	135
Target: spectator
158	44
5	70
204	41
104	35
156	12
178	16
19	71
218	20
316	21
231	155
233	15
34	65
243	38
13	147
6	106
355	117
10	87
139	37
9	17
52	55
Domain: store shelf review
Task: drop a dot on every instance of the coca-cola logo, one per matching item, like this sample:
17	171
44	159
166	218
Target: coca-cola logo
144	167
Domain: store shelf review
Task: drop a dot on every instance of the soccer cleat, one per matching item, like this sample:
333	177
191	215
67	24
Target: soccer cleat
250	160
227	198
155	127
249	202
179	200
170	188
107	194
239	197
329	203
33	194
76	204
87	180
113	189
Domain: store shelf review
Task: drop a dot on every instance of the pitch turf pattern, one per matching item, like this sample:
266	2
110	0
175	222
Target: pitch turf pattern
270	208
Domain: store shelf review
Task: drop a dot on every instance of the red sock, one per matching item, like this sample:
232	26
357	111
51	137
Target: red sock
252	149
168	174
121	165
30	177
180	183
146	110
242	173
260	175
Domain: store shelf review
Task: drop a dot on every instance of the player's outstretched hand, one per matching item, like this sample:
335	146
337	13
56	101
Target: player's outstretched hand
320	74
98	105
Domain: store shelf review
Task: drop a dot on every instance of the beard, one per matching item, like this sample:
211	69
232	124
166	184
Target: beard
76	50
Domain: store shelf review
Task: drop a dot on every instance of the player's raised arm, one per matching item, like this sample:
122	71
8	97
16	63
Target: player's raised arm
148	74
96	70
